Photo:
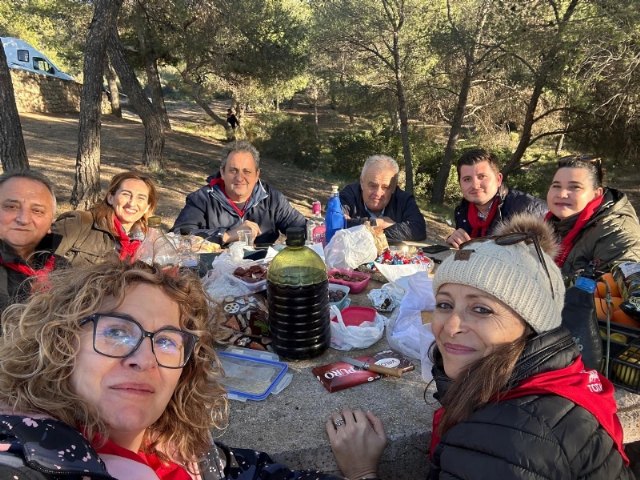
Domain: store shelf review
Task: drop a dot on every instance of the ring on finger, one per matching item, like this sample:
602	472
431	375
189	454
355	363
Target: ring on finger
338	422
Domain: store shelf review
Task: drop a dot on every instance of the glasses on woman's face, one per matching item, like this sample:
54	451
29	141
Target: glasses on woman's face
512	239
117	335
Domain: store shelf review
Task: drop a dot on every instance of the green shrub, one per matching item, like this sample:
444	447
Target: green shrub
290	139
350	150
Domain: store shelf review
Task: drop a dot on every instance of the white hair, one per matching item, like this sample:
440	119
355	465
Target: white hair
380	161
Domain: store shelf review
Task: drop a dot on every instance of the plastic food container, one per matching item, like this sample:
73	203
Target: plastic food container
248	378
342	288
356	316
357	282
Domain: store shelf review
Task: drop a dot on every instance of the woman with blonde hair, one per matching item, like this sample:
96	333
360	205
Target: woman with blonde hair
85	395
117	223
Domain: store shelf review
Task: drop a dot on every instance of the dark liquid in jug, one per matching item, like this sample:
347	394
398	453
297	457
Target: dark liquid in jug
299	319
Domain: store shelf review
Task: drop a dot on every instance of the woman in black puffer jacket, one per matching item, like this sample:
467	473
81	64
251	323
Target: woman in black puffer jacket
517	401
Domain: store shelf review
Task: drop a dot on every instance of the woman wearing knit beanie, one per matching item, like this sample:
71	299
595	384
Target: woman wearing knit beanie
516	399
517	402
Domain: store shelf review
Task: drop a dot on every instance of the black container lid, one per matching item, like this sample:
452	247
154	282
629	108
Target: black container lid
295	236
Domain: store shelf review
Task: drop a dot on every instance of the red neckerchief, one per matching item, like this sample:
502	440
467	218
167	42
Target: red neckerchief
128	247
164	471
220	183
583	217
480	226
41	275
586	388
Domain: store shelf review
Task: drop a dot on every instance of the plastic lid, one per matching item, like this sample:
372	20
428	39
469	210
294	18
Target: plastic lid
154	221
295	236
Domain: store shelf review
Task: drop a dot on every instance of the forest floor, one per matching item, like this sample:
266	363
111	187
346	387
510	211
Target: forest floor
192	152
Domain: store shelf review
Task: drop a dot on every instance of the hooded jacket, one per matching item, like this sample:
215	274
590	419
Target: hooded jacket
536	436
611	235
208	213
511	202
402	209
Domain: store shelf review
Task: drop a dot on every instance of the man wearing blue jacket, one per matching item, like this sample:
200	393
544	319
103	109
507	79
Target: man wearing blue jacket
378	199
236	199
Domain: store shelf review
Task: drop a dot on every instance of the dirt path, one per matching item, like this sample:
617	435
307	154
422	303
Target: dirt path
192	152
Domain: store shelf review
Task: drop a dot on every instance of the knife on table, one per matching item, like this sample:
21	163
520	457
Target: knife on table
372	367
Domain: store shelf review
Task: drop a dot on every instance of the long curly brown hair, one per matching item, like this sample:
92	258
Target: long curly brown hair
41	342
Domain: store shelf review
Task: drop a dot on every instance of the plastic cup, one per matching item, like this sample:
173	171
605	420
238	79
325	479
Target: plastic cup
246	237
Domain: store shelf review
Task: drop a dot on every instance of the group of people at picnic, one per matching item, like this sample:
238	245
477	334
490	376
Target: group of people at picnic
84	395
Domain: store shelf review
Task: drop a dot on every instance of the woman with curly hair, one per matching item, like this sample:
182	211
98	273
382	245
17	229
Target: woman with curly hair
117	223
85	395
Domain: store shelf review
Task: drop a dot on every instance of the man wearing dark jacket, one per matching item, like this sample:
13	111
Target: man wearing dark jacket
237	200
27	207
486	200
378	199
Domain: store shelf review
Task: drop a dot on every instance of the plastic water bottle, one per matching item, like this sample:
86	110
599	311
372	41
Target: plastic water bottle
298	299
334	219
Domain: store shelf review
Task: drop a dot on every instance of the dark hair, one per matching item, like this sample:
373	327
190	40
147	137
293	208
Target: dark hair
31	175
477	155
241	146
103	210
482	383
592	164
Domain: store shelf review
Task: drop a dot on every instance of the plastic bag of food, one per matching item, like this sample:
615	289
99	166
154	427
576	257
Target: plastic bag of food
350	247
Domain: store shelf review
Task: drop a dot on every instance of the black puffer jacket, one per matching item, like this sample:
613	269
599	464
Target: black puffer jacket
511	202
530	437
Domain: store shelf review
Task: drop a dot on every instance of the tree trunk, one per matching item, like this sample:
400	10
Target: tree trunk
157	97
440	183
113	90
153	130
86	189
404	134
442	178
13	153
197	97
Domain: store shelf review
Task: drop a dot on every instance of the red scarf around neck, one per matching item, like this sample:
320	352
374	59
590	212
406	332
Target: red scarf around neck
567	243
164	471
586	388
128	247
480	226
220	183
40	276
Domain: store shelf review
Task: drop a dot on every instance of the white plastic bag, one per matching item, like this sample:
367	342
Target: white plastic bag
404	332
346	337
350	248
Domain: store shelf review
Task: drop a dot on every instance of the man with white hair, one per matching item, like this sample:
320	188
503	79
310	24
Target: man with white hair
378	199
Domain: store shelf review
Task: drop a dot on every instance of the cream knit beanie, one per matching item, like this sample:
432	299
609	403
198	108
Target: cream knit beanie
512	273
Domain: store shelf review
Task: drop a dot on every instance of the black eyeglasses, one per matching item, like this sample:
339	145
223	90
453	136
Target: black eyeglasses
117	335
512	239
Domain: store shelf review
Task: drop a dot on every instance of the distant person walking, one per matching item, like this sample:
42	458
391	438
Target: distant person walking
232	120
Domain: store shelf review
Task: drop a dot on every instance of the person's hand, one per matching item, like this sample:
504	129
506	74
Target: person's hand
253	226
384	222
357	440
457	238
231	236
